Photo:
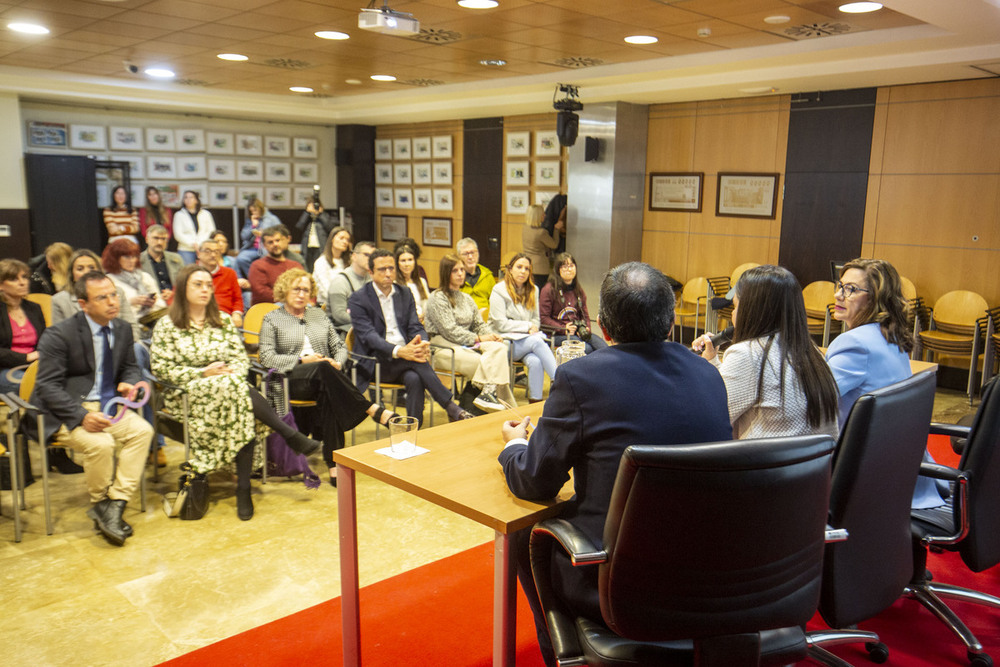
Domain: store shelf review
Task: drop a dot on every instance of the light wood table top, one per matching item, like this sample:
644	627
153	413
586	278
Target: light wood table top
460	472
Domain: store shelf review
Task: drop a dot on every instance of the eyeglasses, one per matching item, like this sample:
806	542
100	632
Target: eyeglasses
850	289
300	290
469	253
567	266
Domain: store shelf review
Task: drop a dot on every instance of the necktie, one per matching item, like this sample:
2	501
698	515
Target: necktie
107	389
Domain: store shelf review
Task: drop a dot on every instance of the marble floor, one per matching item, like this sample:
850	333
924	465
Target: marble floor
71	598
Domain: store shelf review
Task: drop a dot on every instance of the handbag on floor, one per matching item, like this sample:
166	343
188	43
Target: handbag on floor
282	461
190	503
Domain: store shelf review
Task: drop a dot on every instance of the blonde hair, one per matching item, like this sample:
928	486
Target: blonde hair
289	278
57	255
534	216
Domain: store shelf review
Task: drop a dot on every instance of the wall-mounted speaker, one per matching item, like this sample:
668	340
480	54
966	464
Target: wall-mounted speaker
591	149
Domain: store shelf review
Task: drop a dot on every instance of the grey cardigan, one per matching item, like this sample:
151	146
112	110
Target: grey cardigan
459	324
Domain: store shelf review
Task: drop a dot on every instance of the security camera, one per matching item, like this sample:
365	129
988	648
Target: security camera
130	68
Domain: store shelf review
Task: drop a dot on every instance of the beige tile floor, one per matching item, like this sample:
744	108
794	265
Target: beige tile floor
72	599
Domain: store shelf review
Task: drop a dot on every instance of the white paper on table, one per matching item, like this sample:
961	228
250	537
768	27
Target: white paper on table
387	451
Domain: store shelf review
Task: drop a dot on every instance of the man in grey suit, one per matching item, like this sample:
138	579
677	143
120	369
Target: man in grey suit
159	262
84	361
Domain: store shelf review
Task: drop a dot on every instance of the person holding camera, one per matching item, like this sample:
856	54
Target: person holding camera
563	306
316	225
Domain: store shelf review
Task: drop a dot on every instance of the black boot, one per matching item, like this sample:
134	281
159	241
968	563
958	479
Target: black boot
263	411
107	515
60	462
301	443
244	463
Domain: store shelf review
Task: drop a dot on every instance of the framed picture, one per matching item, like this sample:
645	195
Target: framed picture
401	174
305	147
383	173
159	139
442	199
249	144
277	146
400	149
138	194
249	170
543	197
517	201
219	143
137	166
50	135
161	168
517	173
547	144
87	137
301	196
190	141
442	173
170	194
747	195
201	189
306	172
384	198
547	174
404	197
518	144
441	147
423	198
278	197
221	195
422	148
422	174
278	172
393	227
126	138
245	195
191	167
221	170
383	149
437	232
675	191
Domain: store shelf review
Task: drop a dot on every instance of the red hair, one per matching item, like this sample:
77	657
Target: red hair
113	253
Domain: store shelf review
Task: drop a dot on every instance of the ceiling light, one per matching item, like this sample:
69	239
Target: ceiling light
382	77
493	62
28	28
860	7
300	89
235	57
353	82
478	4
777	19
641	39
160	72
332	34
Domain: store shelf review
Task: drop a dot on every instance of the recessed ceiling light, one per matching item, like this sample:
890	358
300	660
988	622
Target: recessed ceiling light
493	62
28	28
641	39
332	34
777	19
300	89
235	57
478	4
382	77
353	82
860	7
160	72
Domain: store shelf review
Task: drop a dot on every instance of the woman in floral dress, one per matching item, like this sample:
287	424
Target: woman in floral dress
196	347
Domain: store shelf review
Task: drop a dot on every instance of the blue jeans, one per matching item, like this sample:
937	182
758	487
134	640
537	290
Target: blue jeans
189	256
535	353
244	258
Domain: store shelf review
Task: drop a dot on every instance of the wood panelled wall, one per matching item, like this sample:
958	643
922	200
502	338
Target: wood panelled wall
722	135
933	205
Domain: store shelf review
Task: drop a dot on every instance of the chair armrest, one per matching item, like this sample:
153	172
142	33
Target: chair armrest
937	471
954	430
579	547
16	403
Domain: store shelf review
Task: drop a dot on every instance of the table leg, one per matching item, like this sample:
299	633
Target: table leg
350	612
504	602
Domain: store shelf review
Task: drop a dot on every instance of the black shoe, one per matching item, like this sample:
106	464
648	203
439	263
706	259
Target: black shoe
244	504
60	462
302	444
463	414
107	516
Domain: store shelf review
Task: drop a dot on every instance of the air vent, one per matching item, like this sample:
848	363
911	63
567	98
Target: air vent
576	62
812	30
422	82
436	36
287	63
192	82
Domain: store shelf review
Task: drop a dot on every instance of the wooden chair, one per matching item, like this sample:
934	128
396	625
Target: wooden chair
45	301
693	305
956	328
719	287
252	321
818	298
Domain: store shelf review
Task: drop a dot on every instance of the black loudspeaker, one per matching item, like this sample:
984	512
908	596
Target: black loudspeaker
591	149
567	127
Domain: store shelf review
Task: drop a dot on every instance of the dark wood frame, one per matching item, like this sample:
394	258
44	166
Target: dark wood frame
392	218
760	216
700	175
437	218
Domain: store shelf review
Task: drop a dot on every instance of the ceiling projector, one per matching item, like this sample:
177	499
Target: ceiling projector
388	21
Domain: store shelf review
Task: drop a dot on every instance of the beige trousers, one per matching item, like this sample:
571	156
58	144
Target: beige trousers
132	434
487	366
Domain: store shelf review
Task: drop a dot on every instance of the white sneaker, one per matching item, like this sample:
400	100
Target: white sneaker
488	402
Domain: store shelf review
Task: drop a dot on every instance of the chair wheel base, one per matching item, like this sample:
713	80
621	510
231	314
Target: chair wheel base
980	659
877	652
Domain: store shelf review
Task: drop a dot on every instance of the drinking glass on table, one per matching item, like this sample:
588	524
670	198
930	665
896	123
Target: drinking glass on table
403	435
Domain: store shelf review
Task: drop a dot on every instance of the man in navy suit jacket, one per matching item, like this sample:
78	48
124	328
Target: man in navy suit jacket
68	389
386	327
638	391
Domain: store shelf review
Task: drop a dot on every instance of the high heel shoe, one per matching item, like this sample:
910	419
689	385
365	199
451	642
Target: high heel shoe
302	444
60	462
333	477
377	417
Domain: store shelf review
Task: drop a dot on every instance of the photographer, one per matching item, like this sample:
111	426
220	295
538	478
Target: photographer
563	306
315	224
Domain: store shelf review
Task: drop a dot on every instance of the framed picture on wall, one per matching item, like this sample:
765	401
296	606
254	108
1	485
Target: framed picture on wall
190	141
383	149
192	167
126	138
403	197
306	172
442	199
383	173
278	197
50	135
170	194
518	144
423	198
441	147
250	170
422	148
547	173
301	196
517	201
422	173
219	143
305	147
442	173
246	194
249	144
543	197
137	166
158	139
743	195
393	227
277	146
401	149
675	191
383	197
402	174
517	173
278	172
87	137
221	195
437	232
160	167
221	170
547	144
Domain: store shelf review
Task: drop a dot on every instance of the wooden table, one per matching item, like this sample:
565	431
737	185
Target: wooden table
459	473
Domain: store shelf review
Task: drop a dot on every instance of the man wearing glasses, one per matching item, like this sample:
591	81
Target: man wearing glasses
228	294
346	283
479	280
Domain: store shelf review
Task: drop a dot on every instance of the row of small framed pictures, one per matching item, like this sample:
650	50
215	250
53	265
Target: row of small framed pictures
547	173
168	167
419	173
434	231
519	200
438	199
546	144
97	137
214	196
419	148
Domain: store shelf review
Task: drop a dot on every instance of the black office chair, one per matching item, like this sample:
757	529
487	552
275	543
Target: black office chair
712	555
874	473
968	523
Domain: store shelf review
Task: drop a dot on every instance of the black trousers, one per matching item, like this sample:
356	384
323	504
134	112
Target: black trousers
416	376
340	406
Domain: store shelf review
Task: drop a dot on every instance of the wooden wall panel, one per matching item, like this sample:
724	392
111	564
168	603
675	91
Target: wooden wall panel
667	251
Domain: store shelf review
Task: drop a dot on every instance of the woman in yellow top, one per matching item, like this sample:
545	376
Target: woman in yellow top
537	243
121	220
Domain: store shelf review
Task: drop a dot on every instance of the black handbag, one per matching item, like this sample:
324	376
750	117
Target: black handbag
192	496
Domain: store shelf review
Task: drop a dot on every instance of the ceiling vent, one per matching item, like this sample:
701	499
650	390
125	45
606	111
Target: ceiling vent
422	82
437	36
287	63
813	30
576	62
192	82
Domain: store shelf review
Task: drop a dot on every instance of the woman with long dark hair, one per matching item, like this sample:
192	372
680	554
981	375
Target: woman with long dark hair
155	213
408	277
120	218
192	225
335	258
776	378
563	306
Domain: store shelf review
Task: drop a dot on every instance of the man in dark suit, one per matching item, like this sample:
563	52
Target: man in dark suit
638	391
84	361
386	327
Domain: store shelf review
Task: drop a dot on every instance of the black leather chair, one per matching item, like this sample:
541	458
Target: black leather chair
874	473
712	556
969	523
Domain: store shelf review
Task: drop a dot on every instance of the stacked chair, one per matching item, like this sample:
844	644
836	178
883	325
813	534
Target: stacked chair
719	287
692	305
956	328
818	297
992	353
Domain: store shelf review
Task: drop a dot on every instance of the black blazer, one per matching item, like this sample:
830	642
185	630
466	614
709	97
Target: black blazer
9	358
369	326
66	368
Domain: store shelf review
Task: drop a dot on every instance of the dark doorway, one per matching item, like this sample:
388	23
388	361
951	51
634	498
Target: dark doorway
482	193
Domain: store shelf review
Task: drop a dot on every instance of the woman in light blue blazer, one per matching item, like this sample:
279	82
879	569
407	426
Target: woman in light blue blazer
872	353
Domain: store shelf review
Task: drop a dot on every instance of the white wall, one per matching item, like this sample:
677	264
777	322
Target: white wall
12	189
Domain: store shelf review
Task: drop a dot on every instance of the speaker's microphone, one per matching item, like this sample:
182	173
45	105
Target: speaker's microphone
724	336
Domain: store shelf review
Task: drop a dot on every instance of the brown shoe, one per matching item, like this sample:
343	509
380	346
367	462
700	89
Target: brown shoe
160	456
